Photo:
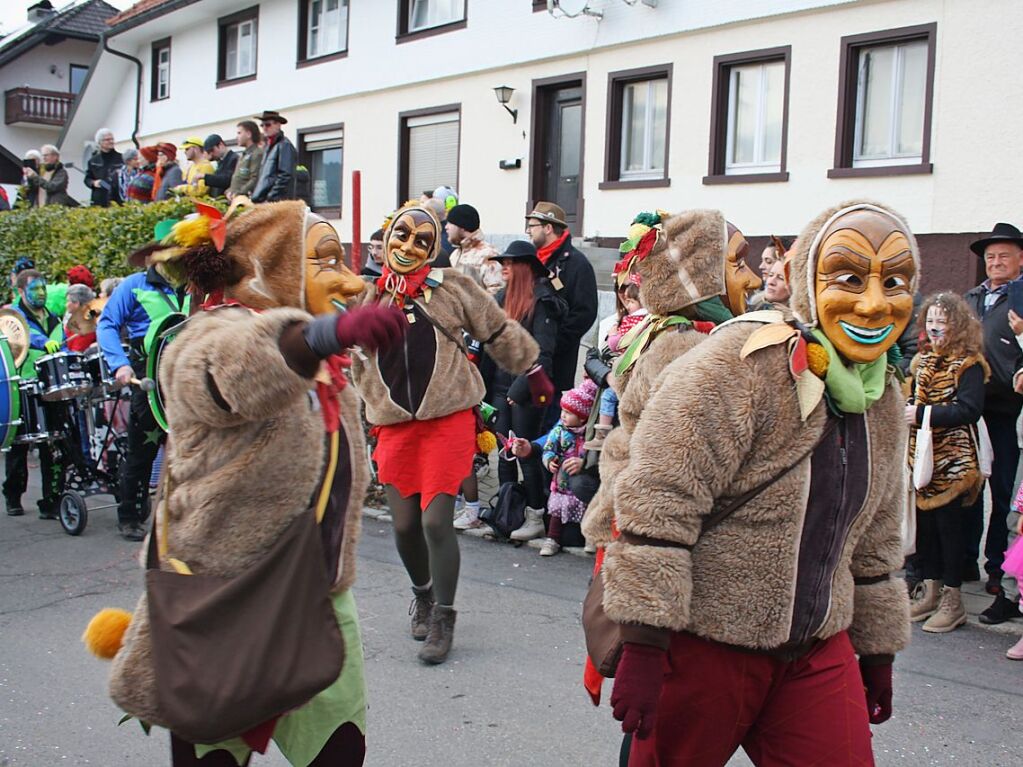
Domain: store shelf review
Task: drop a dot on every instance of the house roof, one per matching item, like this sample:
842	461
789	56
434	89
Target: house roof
142	11
85	21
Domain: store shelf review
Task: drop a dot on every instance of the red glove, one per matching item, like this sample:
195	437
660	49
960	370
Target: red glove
637	689
540	387
877	681
371	327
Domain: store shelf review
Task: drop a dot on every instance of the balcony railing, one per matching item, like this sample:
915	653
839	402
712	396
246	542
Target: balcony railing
37	107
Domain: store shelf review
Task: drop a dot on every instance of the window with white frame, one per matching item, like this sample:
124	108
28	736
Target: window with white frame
890	101
160	63
756	108
644	129
432	152
239	47
425	14
321	152
326	27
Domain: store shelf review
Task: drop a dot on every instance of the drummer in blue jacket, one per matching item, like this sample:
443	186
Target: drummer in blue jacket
46	336
141	300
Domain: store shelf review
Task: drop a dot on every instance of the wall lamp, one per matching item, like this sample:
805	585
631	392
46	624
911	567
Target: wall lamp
504	94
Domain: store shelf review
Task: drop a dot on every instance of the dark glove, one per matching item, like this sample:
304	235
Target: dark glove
370	327
637	689
877	681
541	389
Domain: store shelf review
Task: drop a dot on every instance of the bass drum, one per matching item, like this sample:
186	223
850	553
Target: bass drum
158	338
10	396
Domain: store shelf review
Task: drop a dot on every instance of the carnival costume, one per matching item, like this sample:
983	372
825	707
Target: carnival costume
806	417
251	444
420	396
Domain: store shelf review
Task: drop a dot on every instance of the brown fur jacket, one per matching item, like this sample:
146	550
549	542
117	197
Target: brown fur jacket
428	375
705	436
246	457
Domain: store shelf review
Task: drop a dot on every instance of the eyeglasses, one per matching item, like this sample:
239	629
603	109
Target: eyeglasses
533	226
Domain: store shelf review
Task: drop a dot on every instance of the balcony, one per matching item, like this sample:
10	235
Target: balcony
33	106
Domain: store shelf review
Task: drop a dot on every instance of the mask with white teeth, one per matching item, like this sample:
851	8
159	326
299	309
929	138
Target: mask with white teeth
413	240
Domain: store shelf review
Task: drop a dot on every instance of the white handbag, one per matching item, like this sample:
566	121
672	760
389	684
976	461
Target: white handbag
985	453
923	458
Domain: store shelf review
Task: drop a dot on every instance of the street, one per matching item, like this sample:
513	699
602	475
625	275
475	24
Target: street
509	695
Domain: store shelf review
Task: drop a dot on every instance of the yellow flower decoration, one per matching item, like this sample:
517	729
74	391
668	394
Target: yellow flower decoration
817	359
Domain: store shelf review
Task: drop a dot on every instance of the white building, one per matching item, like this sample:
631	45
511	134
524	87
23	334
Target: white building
43	66
768	109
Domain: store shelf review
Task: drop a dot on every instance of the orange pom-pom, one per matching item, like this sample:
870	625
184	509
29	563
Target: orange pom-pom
486	442
105	633
817	359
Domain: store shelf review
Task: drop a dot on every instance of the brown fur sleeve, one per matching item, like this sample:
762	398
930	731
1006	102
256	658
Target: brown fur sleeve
226	368
507	342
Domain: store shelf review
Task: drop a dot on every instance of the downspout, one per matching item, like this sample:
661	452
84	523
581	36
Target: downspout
138	87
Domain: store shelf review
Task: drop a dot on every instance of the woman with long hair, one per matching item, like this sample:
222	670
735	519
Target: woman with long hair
948	377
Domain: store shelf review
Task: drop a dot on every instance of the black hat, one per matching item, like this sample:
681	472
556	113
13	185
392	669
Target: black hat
212	140
520	250
270	114
464	216
1001	233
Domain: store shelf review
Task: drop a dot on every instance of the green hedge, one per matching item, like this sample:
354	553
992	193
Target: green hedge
57	238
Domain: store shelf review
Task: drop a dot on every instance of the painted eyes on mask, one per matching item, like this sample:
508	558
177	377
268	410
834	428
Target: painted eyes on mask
896	282
849	280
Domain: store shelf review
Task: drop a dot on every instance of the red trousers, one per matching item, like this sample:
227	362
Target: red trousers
811	712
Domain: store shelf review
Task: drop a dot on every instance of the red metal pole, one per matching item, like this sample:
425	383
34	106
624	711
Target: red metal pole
356	221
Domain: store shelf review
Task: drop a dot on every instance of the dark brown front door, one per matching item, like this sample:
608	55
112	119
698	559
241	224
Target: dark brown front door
558	149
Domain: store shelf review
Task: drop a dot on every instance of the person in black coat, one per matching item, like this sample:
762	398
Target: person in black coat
227	161
277	173
1002	253
572	277
101	173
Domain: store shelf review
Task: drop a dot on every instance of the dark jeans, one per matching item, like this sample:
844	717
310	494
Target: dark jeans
345	748
51	470
524	420
1002	429
144	437
940	543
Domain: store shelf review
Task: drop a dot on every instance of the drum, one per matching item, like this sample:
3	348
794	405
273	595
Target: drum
10	397
61	376
33	415
157	341
94	365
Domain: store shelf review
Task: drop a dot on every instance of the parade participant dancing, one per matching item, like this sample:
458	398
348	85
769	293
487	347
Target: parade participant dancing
421	396
140	300
45	336
250	447
814	475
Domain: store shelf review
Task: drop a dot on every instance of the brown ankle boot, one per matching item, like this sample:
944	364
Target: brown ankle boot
442	631
951	613
422	605
927	600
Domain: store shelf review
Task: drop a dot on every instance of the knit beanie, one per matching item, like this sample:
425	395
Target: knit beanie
579	400
80	275
464	216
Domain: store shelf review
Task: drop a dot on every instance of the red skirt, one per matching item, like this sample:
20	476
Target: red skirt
427	458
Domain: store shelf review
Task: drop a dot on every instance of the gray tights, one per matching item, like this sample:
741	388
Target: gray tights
426	542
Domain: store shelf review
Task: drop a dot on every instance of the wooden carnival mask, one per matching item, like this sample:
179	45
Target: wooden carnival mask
412	240
329	283
863	283
740	280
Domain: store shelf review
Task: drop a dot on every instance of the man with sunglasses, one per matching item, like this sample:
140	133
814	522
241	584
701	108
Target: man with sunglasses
277	173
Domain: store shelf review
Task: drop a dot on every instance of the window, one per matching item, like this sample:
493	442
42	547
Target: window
238	46
749	117
323	29
77	77
429	150
418	18
320	150
638	117
159	88
884	110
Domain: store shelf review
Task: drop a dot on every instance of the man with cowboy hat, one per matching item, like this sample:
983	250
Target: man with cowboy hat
573	279
277	173
1001	252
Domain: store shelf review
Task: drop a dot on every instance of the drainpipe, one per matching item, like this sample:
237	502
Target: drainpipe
138	87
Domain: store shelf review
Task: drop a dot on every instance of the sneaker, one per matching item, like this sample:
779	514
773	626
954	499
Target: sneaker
1000	611
590	548
549	548
47	511
14	508
132	532
467	521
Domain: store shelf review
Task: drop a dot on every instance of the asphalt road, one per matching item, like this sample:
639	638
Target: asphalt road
509	695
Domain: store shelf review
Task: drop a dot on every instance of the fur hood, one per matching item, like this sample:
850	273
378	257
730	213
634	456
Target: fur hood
687	264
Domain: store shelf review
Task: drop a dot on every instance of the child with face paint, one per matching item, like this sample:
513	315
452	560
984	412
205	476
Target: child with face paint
46	336
948	376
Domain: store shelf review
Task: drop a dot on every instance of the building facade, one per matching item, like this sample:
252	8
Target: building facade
767	109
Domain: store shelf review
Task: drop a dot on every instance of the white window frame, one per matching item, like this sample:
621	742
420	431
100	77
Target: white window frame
898	75
317	22
648	171
759	165
253	25
163	72
433	17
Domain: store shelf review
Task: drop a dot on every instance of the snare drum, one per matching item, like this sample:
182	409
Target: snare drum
33	415
61	376
94	365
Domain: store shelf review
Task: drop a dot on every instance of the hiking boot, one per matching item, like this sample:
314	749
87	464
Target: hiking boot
1016	651
422	605
549	547
950	615
1000	611
926	601
442	631
599	435
14	508
132	531
531	528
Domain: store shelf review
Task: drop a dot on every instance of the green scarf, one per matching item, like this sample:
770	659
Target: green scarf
855	388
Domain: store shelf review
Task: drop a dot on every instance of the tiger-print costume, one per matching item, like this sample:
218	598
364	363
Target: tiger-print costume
956	471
